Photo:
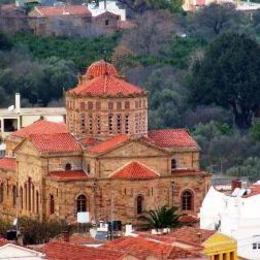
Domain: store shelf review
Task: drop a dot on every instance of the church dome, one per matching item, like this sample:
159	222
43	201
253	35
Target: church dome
101	68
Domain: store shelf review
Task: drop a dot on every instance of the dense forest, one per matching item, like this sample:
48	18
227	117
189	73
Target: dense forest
201	70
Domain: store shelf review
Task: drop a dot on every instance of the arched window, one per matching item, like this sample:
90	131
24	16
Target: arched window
14	195
139	204
21	197
81	203
1	192
52	204
187	200
173	164
68	167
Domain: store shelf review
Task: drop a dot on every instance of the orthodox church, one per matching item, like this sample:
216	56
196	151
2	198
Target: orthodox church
104	161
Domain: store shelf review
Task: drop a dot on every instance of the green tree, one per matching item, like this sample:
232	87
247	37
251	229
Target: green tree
255	131
163	217
228	76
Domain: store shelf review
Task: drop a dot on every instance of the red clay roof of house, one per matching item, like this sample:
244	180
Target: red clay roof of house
55	143
41	127
108	144
135	171
191	235
8	164
48	11
102	79
167	138
64	176
180	253
63	250
139	247
89	141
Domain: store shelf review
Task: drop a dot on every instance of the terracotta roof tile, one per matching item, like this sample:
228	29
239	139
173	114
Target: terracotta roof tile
8	164
108	144
63	10
41	127
63	250
106	85
191	235
180	253
102	79
100	68
89	141
55	143
135	171
77	175
139	247
168	138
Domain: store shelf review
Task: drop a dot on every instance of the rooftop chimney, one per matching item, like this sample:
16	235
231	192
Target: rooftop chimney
18	102
66	236
236	183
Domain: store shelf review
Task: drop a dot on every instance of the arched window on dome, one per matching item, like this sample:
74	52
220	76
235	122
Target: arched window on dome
139	204
187	200
81	203
68	167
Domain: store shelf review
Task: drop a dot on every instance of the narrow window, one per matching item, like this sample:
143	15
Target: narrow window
110	105
254	245
82	105
187	200
52	205
68	167
139	204
118	123
118	105
21	197
110	123
173	164
90	105
98	124
127	105
81	203
1	193
127	124
14	195
37	202
98	105
107	22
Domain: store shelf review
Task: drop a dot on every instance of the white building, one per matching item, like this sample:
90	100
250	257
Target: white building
107	6
16	117
236	215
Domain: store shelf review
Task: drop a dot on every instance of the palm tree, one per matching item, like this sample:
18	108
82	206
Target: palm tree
163	217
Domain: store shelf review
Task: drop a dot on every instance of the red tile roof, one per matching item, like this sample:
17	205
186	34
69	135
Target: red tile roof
8	164
55	143
139	247
135	171
89	141
108	144
106	86
41	127
64	176
63	250
168	138
188	219
101	68
191	235
102	79
62	10
180	253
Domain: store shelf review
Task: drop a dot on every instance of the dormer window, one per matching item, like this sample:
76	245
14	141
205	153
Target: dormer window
173	164
68	167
